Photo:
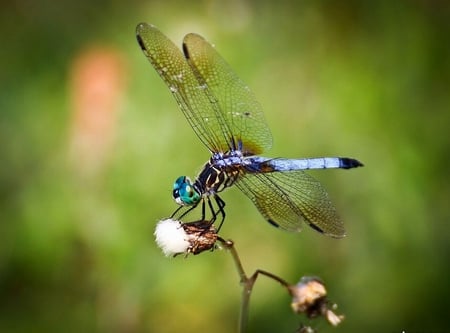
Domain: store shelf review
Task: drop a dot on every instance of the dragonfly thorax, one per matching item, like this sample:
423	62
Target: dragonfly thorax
220	172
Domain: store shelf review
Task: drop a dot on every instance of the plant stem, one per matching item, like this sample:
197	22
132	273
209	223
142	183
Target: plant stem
247	283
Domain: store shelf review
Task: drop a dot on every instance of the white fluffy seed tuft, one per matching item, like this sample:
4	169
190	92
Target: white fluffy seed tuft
171	237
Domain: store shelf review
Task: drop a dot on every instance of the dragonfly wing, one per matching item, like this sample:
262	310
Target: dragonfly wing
286	199
239	116
172	66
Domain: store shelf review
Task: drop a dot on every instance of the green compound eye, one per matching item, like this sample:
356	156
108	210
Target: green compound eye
184	192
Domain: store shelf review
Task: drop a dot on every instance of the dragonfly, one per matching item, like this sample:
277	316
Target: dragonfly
228	120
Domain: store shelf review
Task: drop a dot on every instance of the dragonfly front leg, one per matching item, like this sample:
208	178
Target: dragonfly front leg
176	211
189	210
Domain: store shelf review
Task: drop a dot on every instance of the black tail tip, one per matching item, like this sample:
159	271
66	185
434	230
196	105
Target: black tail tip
349	163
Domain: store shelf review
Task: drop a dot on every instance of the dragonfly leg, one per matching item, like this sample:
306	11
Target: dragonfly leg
213	212
221	210
175	212
187	211
220	204
203	210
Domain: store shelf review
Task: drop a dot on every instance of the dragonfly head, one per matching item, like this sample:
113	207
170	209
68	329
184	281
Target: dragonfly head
184	192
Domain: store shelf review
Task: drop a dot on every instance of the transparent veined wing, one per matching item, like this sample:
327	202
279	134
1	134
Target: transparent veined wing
286	199
240	115
222	116
171	65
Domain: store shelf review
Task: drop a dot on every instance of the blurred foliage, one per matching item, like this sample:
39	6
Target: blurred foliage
368	80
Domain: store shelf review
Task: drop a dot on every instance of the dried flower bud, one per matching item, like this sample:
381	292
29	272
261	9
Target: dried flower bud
309	297
306	294
175	237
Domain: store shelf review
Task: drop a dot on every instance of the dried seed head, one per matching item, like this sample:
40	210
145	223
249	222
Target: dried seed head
306	294
309	297
175	237
202	236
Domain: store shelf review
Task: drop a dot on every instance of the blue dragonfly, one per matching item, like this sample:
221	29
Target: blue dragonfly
229	121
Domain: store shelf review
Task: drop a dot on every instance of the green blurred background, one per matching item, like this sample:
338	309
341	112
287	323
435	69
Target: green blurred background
91	142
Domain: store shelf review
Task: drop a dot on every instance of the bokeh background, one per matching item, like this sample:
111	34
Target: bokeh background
91	141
